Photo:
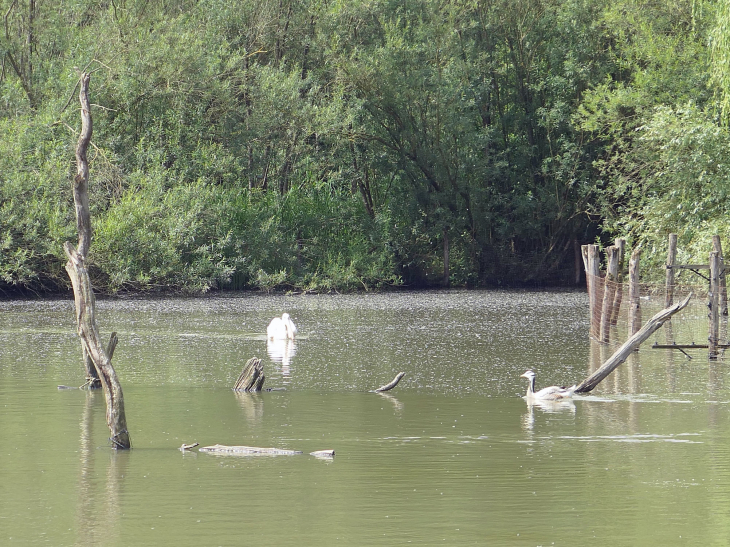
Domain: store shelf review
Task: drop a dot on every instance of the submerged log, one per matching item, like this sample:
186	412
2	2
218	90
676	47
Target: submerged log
628	347
248	450
252	377
391	385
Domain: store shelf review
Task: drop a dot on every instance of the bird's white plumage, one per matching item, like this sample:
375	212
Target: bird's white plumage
552	393
281	328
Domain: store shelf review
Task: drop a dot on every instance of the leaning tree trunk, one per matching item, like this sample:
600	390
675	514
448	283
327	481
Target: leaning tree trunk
83	293
628	347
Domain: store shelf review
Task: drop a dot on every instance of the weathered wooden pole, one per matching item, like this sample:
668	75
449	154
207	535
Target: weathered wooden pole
628	347
83	293
609	291
714	305
591	263
634	293
717	246
671	260
619	295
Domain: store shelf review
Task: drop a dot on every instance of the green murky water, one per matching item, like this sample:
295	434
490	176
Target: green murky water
452	456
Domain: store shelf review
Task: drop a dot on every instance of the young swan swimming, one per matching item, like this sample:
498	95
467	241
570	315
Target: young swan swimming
552	393
281	328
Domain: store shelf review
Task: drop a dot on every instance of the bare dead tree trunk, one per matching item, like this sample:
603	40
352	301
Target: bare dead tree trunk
84	294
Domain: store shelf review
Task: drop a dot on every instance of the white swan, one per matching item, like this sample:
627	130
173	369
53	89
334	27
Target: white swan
552	393
281	328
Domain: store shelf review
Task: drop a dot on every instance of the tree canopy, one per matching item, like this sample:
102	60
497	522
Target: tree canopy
339	145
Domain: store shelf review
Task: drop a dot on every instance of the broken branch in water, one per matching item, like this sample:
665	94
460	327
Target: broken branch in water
391	385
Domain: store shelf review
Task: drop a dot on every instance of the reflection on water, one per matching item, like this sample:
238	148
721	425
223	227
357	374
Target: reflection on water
454	456
281	351
397	405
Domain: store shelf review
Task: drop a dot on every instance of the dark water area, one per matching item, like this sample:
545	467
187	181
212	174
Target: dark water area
452	456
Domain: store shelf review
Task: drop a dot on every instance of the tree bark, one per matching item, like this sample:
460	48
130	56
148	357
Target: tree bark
83	293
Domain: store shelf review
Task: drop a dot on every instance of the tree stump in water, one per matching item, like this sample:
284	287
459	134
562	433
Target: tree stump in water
252	377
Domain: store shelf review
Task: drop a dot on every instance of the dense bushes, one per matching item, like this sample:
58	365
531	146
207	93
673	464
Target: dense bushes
318	146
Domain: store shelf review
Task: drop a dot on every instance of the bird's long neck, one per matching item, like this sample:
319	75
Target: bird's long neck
531	385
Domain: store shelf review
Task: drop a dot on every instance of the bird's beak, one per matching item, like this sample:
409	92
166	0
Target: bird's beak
525	375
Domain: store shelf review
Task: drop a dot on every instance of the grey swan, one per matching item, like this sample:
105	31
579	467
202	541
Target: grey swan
552	393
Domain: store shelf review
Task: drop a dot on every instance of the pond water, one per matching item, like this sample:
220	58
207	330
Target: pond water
452	456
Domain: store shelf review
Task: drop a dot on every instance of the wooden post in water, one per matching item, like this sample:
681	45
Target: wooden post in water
671	259
634	293
717	246
714	305
619	295
84	299
609	291
591	263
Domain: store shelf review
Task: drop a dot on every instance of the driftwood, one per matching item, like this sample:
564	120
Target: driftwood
323	454
628	347
223	449
252	377
248	450
84	294
391	385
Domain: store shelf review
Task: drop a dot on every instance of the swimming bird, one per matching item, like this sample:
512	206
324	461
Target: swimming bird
552	393
281	328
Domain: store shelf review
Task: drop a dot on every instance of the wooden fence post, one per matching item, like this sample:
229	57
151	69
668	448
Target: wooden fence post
619	296
717	246
671	259
714	305
593	279
609	291
634	293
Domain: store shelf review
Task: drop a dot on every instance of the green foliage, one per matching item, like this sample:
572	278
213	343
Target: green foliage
340	146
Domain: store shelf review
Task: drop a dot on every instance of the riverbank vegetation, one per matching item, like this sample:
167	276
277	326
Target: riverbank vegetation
319	145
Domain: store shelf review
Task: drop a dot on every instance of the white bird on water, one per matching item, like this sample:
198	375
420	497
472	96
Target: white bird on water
281	328
552	393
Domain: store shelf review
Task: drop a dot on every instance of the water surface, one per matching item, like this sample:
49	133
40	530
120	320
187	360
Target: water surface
452	456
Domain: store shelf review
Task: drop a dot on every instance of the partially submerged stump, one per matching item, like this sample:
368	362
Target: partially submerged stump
252	377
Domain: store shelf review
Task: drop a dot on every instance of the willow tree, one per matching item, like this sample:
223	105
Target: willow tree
91	344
